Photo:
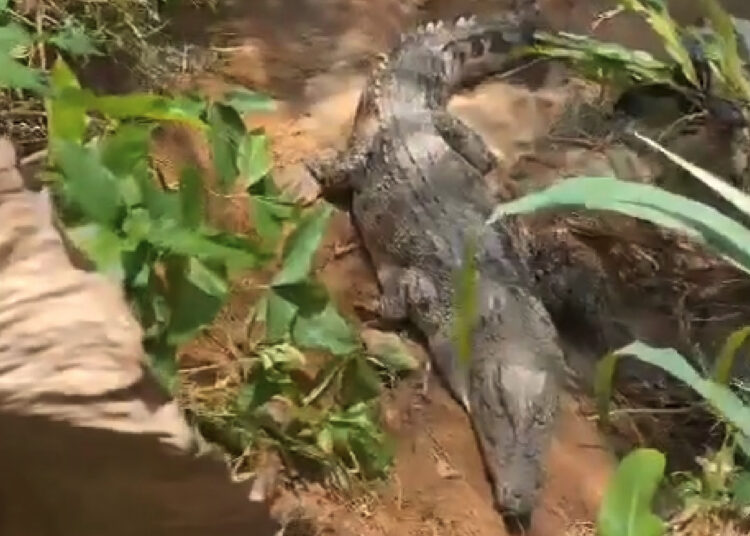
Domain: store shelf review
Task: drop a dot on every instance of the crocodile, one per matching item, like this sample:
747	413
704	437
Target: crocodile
416	179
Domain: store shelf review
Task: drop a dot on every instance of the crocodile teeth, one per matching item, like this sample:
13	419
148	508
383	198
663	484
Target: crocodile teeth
461	22
430	27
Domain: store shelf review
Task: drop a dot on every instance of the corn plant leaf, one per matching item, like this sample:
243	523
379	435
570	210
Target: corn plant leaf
465	301
626	507
656	14
725	361
720	397
699	221
732	67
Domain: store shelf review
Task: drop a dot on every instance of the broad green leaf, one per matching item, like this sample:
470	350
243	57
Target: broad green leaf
12	37
144	105
389	350
225	135
196	296
191	197
89	185
17	76
3	5
177	239
465	312
253	158
127	148
246	101
728	237
300	247
626	507
308	296
74	39
278	317
325	330
268	214
65	120
101	246
137	227
741	490
359	382
719	396
725	361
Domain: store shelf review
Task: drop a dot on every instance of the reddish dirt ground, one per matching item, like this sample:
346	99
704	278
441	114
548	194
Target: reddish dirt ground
312	57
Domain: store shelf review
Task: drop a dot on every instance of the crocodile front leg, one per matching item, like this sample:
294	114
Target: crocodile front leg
465	141
335	169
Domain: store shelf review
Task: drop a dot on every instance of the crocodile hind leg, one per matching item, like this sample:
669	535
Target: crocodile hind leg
402	289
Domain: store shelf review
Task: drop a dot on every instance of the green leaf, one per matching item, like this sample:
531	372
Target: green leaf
269	213
74	39
89	185
65	120
741	490
602	61
102	247
191	197
732	66
360	382
225	134
324	330
720	397
308	296
196	296
626	508
278	317
726	236
13	37
245	101
657	15
389	350
143	105
15	75
465	304
176	239
300	247
253	158
325	440
127	149
725	361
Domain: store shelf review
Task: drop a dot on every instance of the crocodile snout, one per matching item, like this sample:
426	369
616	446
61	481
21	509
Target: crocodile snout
516	506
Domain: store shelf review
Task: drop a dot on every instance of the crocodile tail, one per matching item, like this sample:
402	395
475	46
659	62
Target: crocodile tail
469	49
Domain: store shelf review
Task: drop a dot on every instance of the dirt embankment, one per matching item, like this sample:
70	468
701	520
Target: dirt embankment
312	56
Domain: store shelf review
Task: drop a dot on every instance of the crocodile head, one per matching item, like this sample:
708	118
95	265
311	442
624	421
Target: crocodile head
514	398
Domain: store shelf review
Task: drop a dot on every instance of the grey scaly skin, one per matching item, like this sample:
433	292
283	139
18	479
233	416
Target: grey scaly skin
416	177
